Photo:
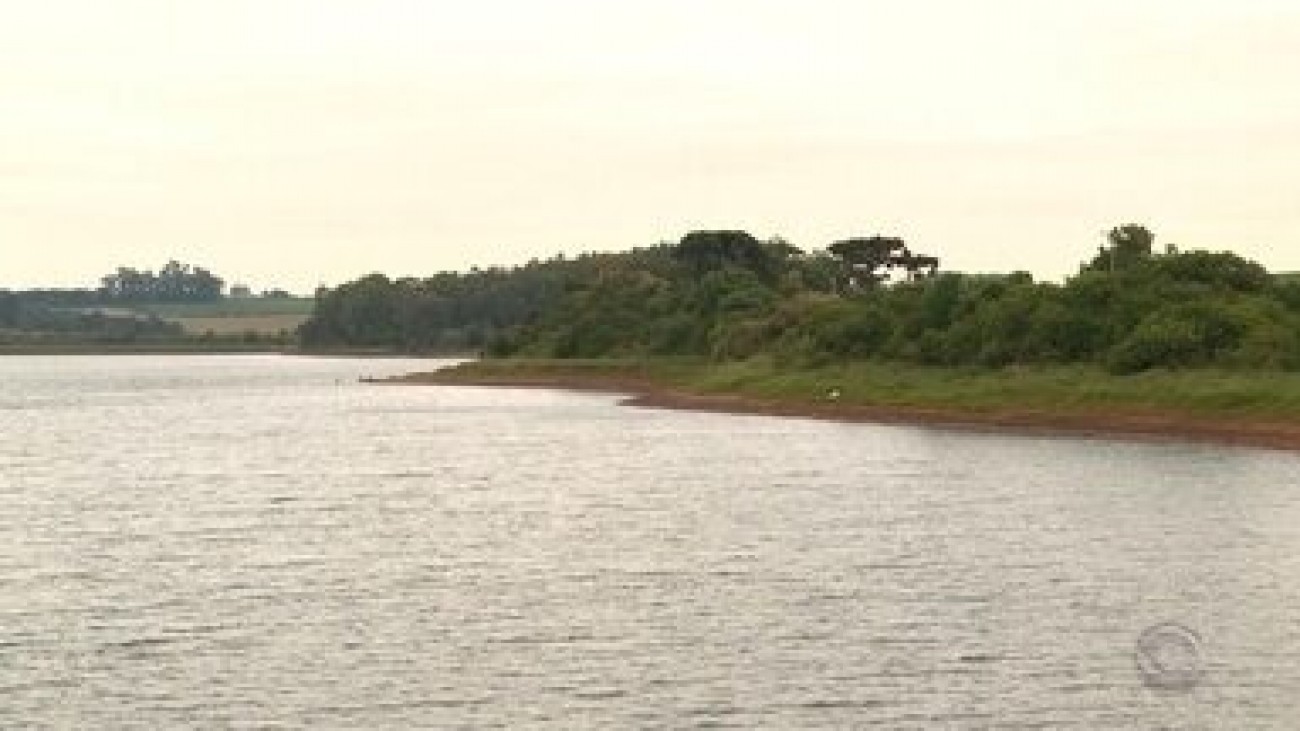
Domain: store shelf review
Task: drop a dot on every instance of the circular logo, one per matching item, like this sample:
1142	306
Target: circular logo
1169	657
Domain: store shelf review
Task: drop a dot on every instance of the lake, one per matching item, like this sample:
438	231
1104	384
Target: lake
265	542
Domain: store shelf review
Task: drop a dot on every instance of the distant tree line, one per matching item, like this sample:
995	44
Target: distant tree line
108	313
446	312
25	318
728	295
174	282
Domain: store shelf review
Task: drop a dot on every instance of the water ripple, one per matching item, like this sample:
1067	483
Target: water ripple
262	542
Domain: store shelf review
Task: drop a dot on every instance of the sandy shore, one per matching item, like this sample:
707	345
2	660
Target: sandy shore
1110	423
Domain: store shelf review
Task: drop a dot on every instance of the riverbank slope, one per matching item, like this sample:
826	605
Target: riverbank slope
1246	408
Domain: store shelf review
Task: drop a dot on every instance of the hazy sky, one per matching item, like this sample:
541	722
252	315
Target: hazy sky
298	142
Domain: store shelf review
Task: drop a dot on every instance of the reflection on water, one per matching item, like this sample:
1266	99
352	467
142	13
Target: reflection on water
264	542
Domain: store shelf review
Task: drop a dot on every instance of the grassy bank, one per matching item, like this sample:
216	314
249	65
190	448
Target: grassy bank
1259	408
381	353
1072	388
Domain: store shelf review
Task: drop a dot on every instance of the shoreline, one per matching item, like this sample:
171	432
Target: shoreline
134	350
358	354
1151	425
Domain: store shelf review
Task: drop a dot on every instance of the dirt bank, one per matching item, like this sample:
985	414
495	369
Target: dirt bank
1144	424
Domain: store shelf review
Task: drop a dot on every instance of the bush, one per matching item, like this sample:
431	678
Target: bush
1178	336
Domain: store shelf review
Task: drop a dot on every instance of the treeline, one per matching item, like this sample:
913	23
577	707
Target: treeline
727	295
103	315
449	311
174	282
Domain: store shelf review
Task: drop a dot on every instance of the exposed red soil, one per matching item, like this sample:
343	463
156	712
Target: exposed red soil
1143	424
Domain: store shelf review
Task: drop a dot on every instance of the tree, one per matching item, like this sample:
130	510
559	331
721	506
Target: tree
707	251
175	282
864	260
1129	246
1216	270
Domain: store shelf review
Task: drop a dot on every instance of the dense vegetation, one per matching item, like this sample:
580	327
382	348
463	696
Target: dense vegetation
725	295
446	312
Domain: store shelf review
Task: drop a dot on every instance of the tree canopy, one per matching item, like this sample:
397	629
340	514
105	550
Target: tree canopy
729	295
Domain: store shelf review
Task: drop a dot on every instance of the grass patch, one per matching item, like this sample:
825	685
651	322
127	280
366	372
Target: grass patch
1051	389
234	317
231	307
240	324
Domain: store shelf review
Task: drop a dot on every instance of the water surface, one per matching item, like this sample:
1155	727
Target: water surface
259	541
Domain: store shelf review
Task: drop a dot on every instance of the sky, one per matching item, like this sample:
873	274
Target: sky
294	143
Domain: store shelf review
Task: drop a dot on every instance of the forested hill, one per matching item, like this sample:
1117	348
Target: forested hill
727	295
